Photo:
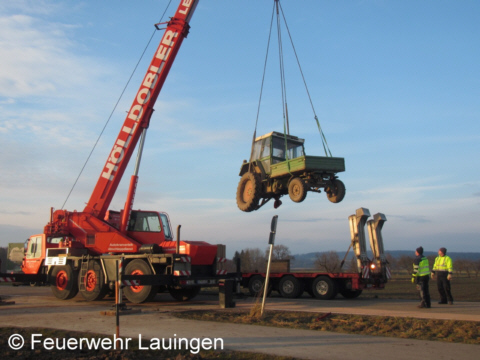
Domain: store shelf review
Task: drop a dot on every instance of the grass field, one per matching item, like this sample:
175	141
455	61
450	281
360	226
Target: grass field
463	289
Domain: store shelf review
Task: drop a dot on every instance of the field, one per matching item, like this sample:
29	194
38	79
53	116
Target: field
400	287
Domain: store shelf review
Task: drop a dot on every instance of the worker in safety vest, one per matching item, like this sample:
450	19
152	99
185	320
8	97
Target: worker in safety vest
443	270
421	277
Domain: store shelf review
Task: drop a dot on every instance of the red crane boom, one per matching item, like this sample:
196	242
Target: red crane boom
140	112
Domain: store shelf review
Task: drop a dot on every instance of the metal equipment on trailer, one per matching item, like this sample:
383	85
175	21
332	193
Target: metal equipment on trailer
372	273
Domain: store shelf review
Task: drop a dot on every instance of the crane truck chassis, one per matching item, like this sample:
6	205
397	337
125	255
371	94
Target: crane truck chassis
144	282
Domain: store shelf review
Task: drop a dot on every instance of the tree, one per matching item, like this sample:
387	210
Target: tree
280	252
327	261
405	262
392	261
252	260
463	265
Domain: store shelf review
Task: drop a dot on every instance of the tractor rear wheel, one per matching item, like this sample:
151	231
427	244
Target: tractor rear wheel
335	191
248	192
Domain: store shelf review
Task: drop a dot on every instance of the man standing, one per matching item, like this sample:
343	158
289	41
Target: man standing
420	276
443	269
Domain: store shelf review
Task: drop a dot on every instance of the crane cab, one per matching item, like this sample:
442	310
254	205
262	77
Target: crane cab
146	227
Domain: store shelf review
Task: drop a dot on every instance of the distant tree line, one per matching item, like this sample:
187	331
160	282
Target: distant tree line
255	260
467	267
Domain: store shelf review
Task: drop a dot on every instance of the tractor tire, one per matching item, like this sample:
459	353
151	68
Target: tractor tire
290	287
63	282
92	286
183	294
336	191
248	192
324	288
297	190
139	293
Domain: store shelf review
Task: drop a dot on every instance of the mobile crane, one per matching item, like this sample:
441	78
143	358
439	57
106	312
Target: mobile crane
78	251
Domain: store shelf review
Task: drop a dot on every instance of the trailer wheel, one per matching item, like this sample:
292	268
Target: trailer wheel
92	286
336	191
140	293
350	294
63	282
256	284
290	287
248	192
324	288
183	294
297	190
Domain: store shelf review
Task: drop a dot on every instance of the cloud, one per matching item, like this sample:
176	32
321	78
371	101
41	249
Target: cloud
420	219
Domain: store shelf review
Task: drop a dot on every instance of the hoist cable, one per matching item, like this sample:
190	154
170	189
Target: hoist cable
114	108
263	82
324	140
282	73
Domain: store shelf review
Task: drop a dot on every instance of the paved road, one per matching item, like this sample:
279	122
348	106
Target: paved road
37	307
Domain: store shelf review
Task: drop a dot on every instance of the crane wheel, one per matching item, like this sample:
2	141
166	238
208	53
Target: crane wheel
139	293
63	282
248	192
336	191
297	190
92	283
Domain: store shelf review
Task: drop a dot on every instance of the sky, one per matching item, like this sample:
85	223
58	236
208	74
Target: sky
395	85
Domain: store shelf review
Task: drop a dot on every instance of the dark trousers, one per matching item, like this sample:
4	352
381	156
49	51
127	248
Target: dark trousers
424	290
443	285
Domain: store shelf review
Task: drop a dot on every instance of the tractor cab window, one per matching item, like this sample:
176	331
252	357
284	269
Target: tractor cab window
261	149
144	221
294	149
278	150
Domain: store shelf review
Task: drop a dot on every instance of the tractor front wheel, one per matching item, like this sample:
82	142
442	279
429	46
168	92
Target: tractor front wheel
248	192
297	190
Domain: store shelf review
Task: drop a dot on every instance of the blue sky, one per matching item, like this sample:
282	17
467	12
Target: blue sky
395	84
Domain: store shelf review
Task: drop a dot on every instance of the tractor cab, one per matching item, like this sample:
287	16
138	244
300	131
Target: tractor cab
275	147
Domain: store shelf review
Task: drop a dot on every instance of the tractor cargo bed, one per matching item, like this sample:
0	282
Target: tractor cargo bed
310	164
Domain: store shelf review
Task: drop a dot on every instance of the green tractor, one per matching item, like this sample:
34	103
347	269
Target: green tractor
279	166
